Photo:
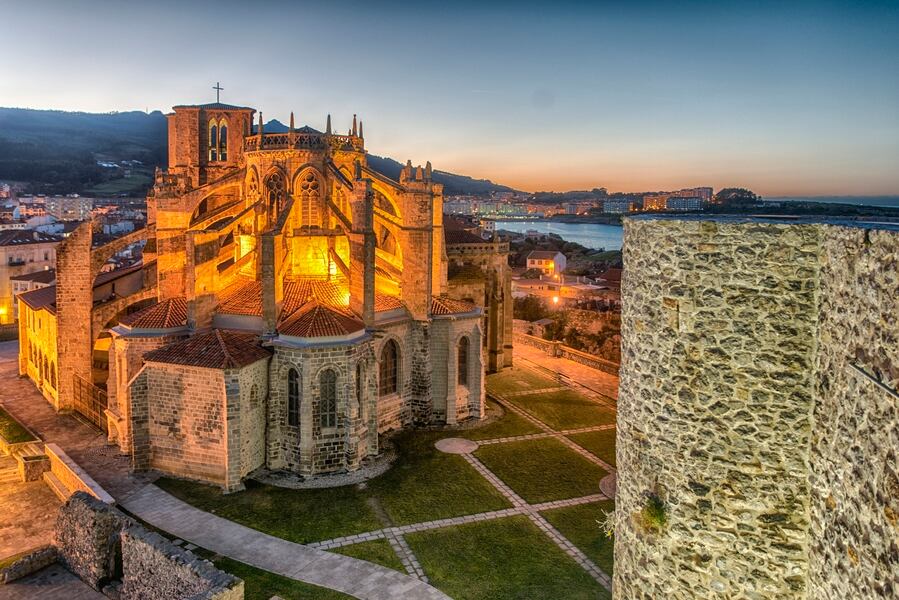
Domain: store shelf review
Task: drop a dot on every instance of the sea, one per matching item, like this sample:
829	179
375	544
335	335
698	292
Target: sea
608	237
590	235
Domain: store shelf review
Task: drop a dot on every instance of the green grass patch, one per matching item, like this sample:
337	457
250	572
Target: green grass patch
600	443
566	409
579	524
262	585
375	551
300	516
505	558
518	379
425	484
12	431
542	470
507	424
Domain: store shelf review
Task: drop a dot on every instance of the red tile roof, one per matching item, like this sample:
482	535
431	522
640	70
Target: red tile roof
318	320
212	349
45	276
384	302
162	315
441	305
460	236
242	298
44	297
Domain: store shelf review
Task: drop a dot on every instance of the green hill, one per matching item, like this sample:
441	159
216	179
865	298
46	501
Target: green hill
59	152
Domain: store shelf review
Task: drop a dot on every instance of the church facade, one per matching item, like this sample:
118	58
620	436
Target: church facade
298	307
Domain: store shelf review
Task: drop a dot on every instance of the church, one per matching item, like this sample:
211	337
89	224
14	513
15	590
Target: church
292	306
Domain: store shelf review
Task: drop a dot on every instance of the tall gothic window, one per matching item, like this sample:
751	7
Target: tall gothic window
213	141
223	140
276	194
328	405
293	398
309	199
387	382
463	361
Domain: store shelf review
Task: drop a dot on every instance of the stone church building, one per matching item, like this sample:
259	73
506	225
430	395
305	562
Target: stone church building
294	305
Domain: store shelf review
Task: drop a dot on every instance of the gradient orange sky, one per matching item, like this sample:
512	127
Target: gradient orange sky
785	100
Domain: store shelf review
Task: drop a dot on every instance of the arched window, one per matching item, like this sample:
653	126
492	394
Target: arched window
309	199
213	141
53	375
328	405
223	140
293	398
276	194
462	355
387	382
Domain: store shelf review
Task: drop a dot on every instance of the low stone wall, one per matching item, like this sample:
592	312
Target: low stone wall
87	533
559	350
32	467
72	476
116	555
155	568
29	563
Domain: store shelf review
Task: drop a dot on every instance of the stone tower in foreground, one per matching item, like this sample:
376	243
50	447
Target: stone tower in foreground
758	419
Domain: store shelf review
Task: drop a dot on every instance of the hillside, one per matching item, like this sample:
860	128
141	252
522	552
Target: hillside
58	152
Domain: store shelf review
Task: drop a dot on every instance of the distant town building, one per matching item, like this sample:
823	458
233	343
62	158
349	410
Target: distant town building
69	208
549	262
617	206
684	203
655	202
21	252
28	282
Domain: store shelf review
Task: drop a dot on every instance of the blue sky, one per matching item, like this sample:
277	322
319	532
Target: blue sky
784	98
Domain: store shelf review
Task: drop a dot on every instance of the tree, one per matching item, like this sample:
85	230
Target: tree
735	196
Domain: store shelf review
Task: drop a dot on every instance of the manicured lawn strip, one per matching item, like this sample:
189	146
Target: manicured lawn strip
508	425
600	443
376	551
564	410
518	379
12	431
542	470
300	516
579	525
425	484
262	585
504	558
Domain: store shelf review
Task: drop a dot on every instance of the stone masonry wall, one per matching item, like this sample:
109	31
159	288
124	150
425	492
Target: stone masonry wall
855	445
714	411
155	568
758	401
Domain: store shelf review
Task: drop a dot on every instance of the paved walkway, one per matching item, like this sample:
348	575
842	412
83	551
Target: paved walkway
27	511
572	373
345	574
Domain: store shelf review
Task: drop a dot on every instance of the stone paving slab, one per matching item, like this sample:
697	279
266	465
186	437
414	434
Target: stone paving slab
345	574
456	445
51	583
593	380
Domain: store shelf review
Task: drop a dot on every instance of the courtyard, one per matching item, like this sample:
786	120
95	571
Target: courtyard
511	510
512	515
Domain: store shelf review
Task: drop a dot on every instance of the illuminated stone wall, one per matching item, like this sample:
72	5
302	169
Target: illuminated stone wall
742	410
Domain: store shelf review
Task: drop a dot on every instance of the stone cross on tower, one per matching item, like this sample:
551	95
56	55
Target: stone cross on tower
218	90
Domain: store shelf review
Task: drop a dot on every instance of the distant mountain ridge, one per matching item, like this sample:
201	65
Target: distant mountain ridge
57	151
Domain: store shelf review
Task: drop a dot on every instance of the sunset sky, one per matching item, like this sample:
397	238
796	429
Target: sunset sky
785	100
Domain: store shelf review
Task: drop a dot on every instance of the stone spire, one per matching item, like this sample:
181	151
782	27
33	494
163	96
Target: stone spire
354	125
291	120
360	128
418	174
260	126
428	170
328	126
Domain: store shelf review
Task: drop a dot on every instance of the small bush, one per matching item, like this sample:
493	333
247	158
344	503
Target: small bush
654	514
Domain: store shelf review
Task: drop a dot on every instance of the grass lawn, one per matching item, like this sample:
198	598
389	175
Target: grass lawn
501	559
508	425
300	516
262	585
600	443
408	493
565	410
579	525
376	551
518	379
425	484
542	470
12	431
